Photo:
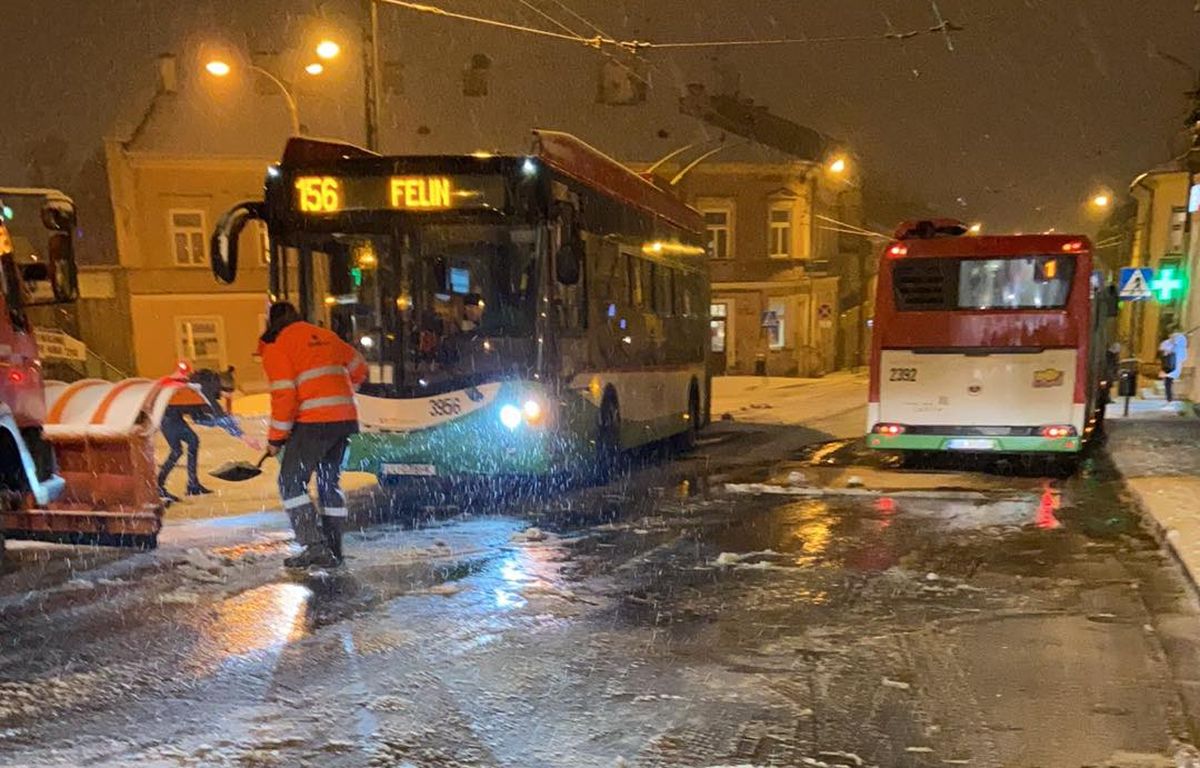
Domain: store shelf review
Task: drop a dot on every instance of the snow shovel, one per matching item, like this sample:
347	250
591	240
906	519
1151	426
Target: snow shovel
239	471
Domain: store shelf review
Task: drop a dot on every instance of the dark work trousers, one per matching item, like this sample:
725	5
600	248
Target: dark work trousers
178	434
1169	386
314	448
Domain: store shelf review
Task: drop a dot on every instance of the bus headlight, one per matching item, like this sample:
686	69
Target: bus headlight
532	410
510	416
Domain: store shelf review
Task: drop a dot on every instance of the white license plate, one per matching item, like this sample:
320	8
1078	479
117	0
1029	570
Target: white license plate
410	470
971	444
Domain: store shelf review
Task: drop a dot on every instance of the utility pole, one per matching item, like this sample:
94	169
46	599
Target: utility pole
371	72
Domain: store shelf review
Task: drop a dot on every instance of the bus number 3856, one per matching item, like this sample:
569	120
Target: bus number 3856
903	374
445	406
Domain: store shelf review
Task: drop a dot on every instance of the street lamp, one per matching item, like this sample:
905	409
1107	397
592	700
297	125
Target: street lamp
1101	200
219	68
837	165
328	49
975	228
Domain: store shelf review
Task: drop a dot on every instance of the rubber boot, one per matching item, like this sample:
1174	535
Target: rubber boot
313	556
331	530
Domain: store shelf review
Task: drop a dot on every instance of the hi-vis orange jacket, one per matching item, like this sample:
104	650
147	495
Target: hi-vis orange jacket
313	376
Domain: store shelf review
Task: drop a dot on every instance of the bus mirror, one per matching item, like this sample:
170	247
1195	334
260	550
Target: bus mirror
567	263
223	248
62	274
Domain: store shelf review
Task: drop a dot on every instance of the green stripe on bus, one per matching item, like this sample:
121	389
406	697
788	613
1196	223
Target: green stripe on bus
1002	444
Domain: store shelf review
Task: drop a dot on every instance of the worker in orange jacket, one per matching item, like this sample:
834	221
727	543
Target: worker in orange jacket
313	375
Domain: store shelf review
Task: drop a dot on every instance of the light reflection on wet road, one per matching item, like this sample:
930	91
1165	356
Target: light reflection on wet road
662	621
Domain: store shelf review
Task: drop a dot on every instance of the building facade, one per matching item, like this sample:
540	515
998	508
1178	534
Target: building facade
775	310
1161	241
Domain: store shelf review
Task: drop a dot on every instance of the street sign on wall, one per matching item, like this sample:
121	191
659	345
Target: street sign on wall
1134	283
53	344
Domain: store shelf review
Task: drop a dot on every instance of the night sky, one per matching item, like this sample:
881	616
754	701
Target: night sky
1039	103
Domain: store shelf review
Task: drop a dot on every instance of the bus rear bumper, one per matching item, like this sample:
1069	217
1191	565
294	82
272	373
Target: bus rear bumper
957	444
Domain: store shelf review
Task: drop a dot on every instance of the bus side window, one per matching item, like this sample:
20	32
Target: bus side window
663	301
572	302
633	279
646	284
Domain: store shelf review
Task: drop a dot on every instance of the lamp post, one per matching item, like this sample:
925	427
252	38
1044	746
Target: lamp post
219	68
371	72
326	50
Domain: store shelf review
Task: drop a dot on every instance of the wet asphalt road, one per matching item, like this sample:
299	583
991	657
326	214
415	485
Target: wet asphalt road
664	620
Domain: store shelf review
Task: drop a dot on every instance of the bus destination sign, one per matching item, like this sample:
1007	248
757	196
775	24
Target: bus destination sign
335	194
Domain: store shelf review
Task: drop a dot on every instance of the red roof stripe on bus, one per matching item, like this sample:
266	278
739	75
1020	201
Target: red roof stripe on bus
579	160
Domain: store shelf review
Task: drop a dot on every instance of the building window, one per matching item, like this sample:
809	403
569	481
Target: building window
718	326
475	75
201	341
1175	238
775	321
188	235
779	232
718	224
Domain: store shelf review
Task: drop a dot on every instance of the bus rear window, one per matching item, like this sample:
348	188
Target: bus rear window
1015	282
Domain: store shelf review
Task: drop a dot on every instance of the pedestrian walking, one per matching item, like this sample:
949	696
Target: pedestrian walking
190	400
1172	353
313	375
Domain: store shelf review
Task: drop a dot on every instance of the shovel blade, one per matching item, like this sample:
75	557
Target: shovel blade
236	471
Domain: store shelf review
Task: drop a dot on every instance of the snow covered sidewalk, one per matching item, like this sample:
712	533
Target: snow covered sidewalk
780	400
1159	459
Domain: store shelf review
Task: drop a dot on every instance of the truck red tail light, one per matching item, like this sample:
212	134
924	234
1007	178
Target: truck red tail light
891	430
897	250
1056	431
16	376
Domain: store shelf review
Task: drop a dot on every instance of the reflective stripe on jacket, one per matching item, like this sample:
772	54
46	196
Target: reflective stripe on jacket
313	375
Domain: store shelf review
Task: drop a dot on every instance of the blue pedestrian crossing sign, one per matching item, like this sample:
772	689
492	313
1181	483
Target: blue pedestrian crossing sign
1135	283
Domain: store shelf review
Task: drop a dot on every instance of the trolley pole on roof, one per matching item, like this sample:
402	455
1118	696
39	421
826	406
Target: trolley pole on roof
371	72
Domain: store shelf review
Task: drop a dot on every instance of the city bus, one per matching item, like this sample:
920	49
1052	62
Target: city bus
987	344
519	314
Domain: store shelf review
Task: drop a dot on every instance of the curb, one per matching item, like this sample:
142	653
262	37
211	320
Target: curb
1160	533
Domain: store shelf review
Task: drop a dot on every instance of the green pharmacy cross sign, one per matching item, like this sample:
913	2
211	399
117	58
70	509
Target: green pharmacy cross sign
1167	284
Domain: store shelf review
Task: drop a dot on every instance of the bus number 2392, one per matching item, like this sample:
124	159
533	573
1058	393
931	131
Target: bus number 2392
903	374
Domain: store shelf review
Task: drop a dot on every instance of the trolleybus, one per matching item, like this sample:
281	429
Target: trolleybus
519	314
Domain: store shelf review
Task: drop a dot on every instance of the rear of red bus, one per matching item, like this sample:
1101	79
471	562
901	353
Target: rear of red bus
985	344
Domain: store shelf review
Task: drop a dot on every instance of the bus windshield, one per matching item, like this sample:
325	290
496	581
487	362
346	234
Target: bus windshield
1013	282
438	307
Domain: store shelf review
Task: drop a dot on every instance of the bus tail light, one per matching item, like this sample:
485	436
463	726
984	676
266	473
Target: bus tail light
897	250
1055	431
891	430
1074	246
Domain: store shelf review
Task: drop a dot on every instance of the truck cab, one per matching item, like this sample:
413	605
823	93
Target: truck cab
44	275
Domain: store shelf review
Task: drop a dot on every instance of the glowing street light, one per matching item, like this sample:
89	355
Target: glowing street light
328	49
1102	200
837	165
315	68
975	228
218	68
